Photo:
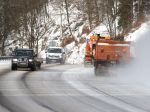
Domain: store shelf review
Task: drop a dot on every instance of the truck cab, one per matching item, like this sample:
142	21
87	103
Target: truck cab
55	55
25	58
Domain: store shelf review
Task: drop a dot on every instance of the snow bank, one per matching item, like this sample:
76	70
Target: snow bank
101	29
5	62
135	36
5	65
77	55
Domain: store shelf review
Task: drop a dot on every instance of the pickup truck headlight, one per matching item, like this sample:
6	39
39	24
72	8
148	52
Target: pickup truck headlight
30	60
15	60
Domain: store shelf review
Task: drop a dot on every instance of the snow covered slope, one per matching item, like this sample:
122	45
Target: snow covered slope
135	36
140	37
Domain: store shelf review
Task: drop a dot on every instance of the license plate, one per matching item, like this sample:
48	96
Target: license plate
53	60
23	63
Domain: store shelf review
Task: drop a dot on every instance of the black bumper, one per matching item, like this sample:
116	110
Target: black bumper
23	65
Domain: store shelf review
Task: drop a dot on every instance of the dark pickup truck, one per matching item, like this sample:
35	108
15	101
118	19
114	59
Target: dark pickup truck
25	58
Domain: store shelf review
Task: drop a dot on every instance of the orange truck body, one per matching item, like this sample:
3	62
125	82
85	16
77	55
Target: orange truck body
112	51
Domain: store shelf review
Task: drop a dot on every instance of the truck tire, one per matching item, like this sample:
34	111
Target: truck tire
48	62
13	68
62	61
39	65
96	71
33	68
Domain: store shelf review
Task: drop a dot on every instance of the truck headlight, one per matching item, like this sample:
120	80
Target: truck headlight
30	60
15	60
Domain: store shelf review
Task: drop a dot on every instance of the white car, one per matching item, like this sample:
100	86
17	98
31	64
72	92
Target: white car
55	55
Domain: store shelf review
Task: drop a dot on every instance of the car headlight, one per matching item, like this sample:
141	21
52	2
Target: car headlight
15	59
30	60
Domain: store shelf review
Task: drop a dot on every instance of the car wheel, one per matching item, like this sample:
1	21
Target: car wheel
13	67
62	62
47	62
39	66
33	68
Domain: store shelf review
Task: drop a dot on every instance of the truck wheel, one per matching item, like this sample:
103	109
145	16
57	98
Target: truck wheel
95	71
13	67
39	65
47	62
33	68
62	62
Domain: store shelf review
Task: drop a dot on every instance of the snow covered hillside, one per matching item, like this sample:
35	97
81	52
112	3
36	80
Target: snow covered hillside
69	30
138	36
77	55
78	26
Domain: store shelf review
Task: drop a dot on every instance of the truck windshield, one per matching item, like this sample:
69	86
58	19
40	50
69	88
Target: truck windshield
54	50
24	53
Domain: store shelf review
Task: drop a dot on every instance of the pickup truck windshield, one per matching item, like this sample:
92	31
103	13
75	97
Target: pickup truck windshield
54	50
24	53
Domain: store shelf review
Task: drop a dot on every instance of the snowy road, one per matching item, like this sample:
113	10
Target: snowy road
70	88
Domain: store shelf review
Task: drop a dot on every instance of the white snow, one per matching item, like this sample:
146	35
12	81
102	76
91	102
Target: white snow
139	71
143	32
4	62
77	55
135	36
101	29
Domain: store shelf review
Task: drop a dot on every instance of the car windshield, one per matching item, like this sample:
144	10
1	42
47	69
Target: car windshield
54	50
24	53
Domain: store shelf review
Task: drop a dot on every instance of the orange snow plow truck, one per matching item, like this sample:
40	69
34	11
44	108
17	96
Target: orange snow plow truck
103	51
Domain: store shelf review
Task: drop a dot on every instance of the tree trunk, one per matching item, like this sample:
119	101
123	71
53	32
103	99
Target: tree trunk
68	19
97	12
89	14
37	47
5	28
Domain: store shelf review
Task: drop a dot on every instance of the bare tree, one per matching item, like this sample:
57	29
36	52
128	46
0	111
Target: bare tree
68	18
